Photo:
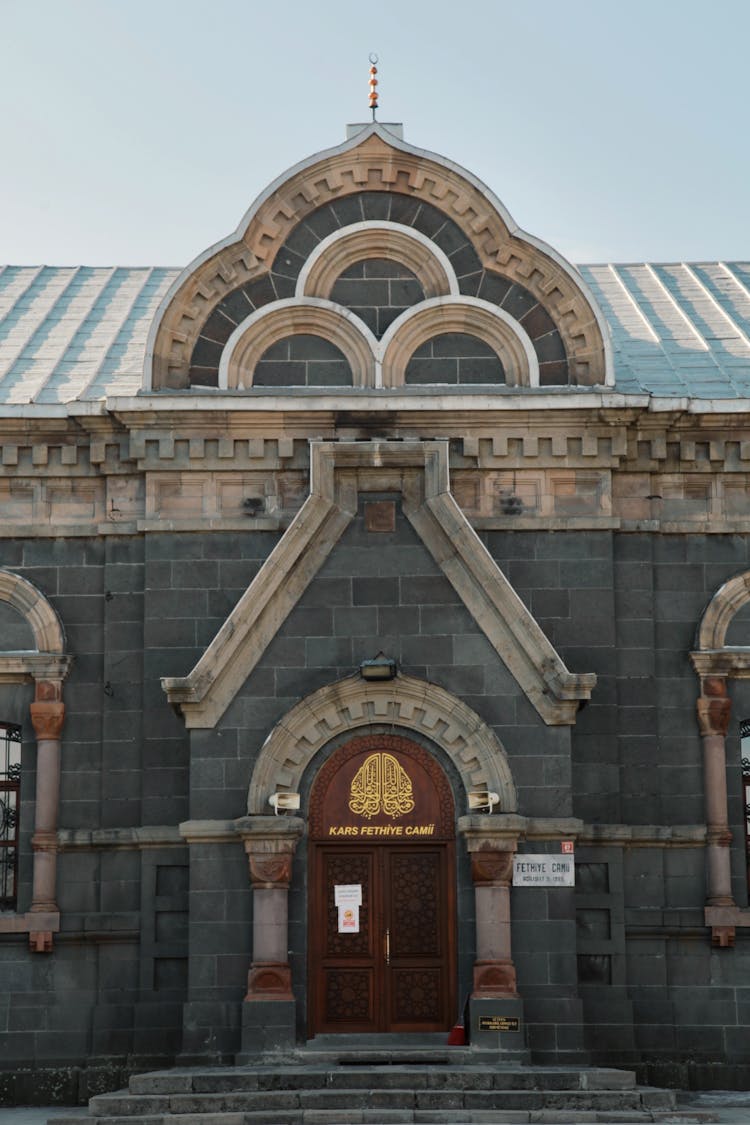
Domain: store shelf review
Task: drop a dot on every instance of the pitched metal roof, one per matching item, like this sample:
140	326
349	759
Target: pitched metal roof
79	333
681	329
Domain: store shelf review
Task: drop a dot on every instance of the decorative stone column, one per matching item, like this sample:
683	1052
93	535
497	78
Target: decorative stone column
47	717
269	1015
492	872
492	842
713	709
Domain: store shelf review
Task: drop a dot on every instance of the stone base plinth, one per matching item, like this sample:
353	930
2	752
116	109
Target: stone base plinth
494	979
269	980
497	1025
268	1027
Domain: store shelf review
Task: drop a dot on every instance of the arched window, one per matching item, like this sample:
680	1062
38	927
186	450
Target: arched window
745	752
378	291
454	357
10	785
302	360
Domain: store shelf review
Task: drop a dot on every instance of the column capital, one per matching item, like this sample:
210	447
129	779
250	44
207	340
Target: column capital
492	867
47	719
713	706
497	833
270	843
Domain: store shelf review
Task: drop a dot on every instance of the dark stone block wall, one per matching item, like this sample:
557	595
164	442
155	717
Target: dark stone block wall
627	606
153	954
133	609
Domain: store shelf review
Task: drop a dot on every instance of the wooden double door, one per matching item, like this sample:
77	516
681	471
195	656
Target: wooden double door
397	971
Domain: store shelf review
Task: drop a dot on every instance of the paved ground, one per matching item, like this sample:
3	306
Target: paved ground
724	1106
32	1115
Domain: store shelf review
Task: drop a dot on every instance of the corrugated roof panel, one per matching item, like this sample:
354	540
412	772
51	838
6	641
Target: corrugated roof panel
29	311
34	366
618	303
728	291
740	270
83	355
14	281
670	320
715	324
120	370
26	321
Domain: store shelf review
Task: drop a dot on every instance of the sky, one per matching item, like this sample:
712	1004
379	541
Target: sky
138	132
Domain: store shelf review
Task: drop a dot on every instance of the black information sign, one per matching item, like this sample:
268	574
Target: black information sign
499	1023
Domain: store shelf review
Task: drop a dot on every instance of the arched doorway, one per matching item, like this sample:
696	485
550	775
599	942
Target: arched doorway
382	899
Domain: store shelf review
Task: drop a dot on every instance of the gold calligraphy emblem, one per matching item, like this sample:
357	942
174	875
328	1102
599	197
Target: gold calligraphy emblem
381	784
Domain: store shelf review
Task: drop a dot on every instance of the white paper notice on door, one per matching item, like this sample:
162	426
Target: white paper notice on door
348	919
348	899
347	894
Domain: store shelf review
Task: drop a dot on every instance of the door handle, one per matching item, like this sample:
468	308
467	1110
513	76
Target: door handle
387	947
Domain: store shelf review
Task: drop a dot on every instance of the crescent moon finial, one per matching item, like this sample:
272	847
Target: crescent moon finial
373	83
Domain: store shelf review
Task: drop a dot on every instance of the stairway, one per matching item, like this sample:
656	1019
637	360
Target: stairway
448	1088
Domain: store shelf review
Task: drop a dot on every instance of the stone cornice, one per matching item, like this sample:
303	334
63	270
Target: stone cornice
729	661
626	468
120	839
55	418
644	835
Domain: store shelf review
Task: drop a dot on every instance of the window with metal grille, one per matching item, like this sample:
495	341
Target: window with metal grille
10	785
745	751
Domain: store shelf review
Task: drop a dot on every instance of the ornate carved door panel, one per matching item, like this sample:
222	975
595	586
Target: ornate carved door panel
343	966
417	986
396	973
394	969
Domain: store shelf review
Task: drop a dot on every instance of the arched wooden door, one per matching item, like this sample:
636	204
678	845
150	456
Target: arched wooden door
382	916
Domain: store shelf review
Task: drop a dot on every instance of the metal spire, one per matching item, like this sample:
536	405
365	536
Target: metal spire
373	84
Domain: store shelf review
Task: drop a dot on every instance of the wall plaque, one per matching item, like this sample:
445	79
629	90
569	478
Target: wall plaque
499	1023
380	515
543	870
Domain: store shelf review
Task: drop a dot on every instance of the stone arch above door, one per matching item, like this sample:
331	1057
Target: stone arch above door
404	703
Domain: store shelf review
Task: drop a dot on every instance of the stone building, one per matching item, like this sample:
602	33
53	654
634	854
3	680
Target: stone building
377	547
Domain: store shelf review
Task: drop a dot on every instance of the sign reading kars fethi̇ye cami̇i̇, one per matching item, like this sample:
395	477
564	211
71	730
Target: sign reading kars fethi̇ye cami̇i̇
385	789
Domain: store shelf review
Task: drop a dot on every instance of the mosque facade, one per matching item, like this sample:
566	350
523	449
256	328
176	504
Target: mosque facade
373	617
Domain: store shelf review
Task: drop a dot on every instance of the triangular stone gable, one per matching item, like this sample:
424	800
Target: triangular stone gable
339	472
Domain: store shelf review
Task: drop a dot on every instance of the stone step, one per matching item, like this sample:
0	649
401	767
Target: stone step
124	1104
397	1075
153	1105
392	1094
399	1117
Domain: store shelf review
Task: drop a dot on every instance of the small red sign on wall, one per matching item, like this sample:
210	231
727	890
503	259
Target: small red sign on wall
566	847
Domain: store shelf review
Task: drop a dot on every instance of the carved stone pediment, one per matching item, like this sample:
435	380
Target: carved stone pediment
338	472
